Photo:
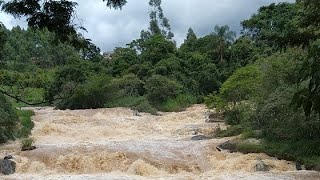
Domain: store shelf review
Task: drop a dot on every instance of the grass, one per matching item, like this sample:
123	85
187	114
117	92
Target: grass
139	103
249	133
306	152
26	143
230	131
145	106
178	104
26	123
250	148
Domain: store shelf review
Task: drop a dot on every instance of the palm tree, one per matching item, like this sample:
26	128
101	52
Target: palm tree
225	36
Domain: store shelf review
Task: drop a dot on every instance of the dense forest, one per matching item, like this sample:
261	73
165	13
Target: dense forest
265	81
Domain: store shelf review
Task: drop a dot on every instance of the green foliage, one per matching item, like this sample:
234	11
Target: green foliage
294	150
250	148
259	71
139	103
243	85
3	38
157	48
266	108
8	120
239	114
189	42
309	97
280	121
225	36
129	84
145	106
250	133
57	17
243	52
25	122
179	103
93	93
26	143
160	88
125	101
66	79
163	27
122	59
277	25
26	50
230	131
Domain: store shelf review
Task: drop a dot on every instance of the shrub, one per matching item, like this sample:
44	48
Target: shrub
26	143
160	88
179	103
280	121
139	103
125	101
241	113
26	122
66	79
94	93
145	106
129	84
230	131
8	119
250	148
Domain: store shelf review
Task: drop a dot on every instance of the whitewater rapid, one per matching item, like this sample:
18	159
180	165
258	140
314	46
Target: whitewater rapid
116	144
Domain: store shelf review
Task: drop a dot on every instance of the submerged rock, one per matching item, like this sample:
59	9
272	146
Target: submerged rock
136	113
228	145
199	137
7	166
212	117
261	166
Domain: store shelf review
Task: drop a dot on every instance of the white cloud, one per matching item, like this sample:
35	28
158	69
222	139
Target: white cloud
10	22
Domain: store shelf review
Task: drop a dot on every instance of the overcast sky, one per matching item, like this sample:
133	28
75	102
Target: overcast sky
110	28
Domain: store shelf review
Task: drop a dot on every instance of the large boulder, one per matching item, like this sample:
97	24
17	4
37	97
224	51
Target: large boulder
7	166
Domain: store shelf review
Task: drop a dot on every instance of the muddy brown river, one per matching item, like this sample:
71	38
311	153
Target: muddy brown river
116	144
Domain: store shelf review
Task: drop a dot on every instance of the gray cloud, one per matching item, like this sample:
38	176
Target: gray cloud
109	28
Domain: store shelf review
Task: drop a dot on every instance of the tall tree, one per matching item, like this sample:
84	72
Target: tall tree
225	37
159	24
189	42
2	39
309	98
279	26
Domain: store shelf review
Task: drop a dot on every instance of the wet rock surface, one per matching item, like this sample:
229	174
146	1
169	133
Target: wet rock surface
7	165
28	148
228	146
261	166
